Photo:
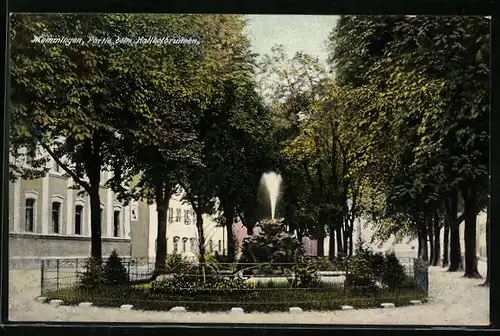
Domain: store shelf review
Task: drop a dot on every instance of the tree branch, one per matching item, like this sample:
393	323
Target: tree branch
38	137
79	181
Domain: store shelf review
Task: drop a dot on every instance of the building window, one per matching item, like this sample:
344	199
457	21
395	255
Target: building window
184	245
210	245
166	245
56	215
78	219
176	245
30	154
170	215
56	167
30	214
220	246
192	243
116	224
187	217
103	224
177	215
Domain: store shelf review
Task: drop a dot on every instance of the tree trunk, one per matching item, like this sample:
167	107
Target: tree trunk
420	243
95	223
231	250
455	253
320	237
93	171
351	243
345	237
338	235
162	200
331	243
470	199
446	238
423	249
437	241
430	234
201	237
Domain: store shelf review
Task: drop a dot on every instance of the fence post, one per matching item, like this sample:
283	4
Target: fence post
57	274
42	276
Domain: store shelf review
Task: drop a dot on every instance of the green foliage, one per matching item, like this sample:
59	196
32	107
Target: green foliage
272	244
324	264
177	264
360	275
393	274
305	275
114	271
93	276
192	284
366	268
415	81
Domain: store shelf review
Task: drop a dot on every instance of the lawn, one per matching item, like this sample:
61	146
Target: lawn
265	298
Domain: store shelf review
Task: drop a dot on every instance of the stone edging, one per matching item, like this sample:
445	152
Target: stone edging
234	310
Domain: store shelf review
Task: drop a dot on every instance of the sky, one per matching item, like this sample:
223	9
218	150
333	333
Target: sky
307	33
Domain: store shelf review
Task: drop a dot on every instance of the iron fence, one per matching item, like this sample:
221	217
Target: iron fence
61	274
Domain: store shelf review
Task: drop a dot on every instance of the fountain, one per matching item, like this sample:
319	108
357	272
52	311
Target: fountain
272	181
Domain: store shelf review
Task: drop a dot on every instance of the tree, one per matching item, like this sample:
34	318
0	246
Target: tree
288	86
424	98
61	100
167	89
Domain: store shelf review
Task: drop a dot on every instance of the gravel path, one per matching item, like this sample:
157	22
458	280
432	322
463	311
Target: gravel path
453	301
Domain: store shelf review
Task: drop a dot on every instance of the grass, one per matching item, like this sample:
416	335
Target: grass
267	297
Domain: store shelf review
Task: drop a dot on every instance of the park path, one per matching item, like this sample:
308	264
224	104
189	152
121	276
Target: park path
453	300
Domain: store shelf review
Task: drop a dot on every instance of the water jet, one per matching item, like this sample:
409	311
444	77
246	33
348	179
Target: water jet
272	181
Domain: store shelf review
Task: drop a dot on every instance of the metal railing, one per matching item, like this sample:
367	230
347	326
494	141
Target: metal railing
67	273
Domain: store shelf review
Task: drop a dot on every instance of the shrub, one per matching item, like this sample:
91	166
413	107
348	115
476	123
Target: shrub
305	275
393	274
367	267
377	261
360	274
176	263
191	284
115	272
324	264
93	275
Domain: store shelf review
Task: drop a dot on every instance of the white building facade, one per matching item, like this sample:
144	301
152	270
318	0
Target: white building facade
182	235
49	219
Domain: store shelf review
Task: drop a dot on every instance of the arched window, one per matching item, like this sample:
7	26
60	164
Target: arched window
56	216
78	219
31	153
220	246
176	245
178	215
116	223
184	245
29	213
192	243
210	245
187	219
